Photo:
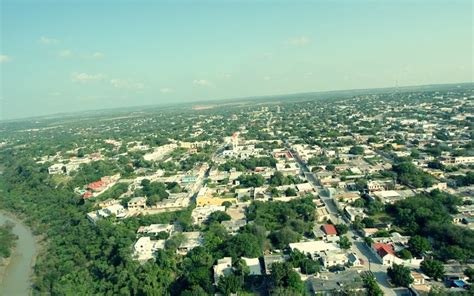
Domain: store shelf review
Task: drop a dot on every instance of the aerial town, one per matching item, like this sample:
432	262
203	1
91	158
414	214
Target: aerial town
369	194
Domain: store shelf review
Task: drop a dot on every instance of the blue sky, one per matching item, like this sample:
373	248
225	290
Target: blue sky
63	56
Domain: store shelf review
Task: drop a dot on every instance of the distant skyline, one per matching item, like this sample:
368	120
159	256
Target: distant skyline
68	56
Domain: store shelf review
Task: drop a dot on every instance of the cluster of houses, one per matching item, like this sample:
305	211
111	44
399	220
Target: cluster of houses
146	245
62	166
98	187
334	166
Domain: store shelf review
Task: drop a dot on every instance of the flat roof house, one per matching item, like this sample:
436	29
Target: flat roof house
314	248
222	268
192	240
254	265
145	248
137	203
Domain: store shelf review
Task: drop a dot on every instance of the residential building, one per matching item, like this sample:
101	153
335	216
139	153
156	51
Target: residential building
268	260
314	248
200	214
254	265
233	226
144	248
334	258
222	268
191	241
155	229
137	203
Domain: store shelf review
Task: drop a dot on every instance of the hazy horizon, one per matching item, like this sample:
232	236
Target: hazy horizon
59	57
219	101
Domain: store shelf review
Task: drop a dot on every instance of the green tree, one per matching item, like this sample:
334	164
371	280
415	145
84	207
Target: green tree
7	239
228	204
281	238
341	229
218	216
400	275
230	284
253	180
290	192
433	268
405	254
282	275
469	272
278	179
344	243
373	289
309	266
243	245
418	245
357	150
152	200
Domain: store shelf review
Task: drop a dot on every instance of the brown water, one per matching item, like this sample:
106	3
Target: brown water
16	281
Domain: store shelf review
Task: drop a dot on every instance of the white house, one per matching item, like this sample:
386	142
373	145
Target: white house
334	258
314	248
154	229
352	213
200	214
145	248
137	203
117	209
232	226
387	256
254	265
222	268
191	240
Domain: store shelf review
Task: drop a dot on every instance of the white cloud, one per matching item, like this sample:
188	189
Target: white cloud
48	41
202	82
66	53
84	77
299	41
97	55
4	58
126	84
166	90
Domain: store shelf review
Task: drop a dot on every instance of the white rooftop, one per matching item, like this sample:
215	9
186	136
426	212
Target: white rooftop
312	247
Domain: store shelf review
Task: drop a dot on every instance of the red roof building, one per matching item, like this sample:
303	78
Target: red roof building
96	185
329	229
384	249
87	195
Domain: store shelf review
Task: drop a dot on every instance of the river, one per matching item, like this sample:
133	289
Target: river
17	277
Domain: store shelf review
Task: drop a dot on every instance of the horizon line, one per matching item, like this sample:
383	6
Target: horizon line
207	101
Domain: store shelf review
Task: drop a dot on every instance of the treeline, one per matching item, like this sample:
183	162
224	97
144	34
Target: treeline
465	180
409	174
7	240
286	222
430	216
92	172
248	164
81	258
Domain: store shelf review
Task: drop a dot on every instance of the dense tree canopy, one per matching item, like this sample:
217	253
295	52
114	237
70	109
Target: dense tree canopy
400	275
7	240
408	173
433	268
429	216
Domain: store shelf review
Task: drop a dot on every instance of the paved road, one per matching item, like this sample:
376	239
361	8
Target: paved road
358	245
